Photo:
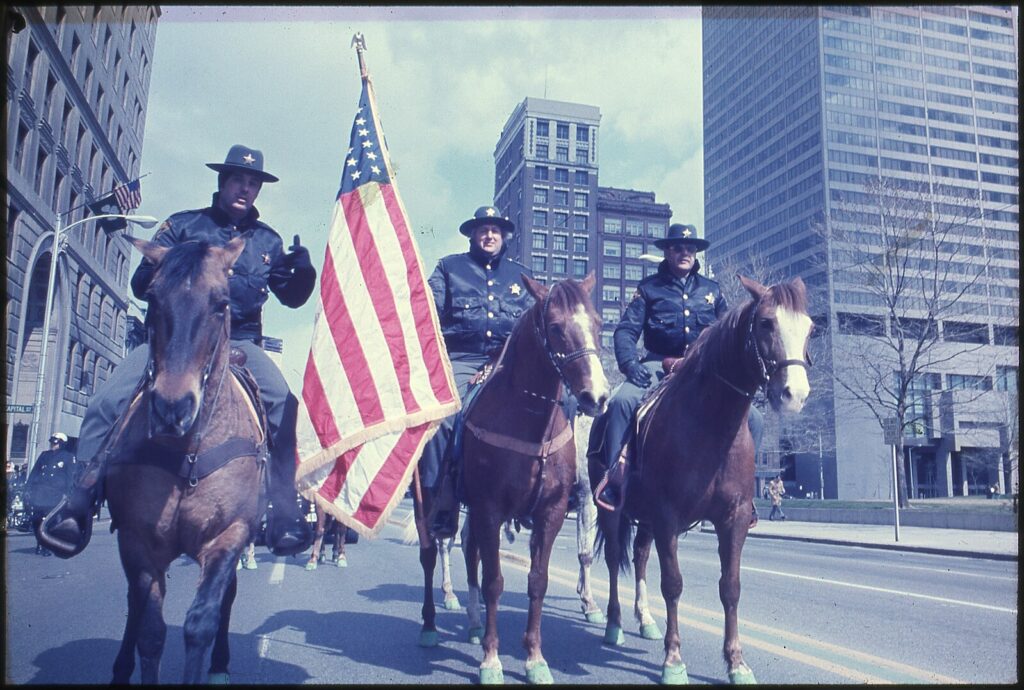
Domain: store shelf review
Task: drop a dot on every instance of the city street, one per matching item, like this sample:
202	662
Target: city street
810	614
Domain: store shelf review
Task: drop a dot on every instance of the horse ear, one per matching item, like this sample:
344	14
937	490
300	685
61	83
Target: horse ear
232	250
755	288
588	283
538	290
152	251
798	283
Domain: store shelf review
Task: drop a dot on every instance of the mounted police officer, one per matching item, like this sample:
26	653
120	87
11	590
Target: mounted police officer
479	295
262	267
52	477
670	308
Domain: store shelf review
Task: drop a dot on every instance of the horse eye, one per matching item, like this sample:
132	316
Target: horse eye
767	324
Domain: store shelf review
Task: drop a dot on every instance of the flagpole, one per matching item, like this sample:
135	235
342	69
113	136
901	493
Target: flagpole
75	208
360	44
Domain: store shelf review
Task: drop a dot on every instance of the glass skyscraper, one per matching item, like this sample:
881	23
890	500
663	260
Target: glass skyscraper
803	108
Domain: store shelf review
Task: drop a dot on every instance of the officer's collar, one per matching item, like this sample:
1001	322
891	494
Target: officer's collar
481	257
222	218
666	273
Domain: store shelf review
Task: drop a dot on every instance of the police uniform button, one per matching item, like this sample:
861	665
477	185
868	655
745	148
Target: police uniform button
686	296
490	297
490	282
488	334
488	267
686	312
687	329
490	314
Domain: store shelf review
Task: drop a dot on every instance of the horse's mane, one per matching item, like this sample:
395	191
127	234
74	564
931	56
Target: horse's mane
183	262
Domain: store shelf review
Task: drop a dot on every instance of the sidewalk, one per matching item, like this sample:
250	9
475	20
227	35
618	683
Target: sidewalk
952	542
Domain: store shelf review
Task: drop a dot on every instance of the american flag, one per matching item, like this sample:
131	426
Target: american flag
378	380
128	196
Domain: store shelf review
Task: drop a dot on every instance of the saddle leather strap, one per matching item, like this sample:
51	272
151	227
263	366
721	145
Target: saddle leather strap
195	466
533	450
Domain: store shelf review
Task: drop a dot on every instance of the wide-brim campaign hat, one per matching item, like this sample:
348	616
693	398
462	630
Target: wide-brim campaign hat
677	232
244	159
487	215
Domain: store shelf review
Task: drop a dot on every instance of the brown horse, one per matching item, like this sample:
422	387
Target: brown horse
326	525
186	466
695	457
519	456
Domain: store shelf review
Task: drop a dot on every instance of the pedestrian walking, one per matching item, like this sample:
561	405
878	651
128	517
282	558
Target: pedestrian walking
776	491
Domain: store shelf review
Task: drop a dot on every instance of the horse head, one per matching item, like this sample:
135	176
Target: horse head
779	332
570	330
189	323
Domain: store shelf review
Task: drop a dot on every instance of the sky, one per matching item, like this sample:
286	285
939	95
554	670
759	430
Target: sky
285	80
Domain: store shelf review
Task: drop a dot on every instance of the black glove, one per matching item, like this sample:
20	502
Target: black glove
638	374
298	257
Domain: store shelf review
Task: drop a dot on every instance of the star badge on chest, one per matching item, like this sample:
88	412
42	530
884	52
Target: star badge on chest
710	298
515	289
266	258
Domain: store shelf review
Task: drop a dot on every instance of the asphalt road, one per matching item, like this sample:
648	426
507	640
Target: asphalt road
809	614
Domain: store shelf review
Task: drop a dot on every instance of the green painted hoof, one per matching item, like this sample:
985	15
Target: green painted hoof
452	604
341	562
742	676
613	636
651	631
311	565
428	638
539	674
491	676
595	617
476	635
250	564
218	679
674	675
238	566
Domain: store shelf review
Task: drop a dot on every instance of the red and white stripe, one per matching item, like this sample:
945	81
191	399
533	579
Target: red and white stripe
378	380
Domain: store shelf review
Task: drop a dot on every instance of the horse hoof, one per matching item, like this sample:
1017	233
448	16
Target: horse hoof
311	565
742	676
595	617
613	636
674	675
218	679
238	566
341	562
452	604
250	564
428	638
476	635
491	676
539	674
651	631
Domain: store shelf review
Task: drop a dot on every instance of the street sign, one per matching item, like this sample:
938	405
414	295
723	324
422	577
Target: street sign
891	431
20	409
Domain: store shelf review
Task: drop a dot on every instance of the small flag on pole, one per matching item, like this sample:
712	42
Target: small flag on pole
120	201
378	380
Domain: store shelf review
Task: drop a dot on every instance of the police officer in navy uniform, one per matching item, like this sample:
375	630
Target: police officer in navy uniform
670	309
479	295
52	477
263	267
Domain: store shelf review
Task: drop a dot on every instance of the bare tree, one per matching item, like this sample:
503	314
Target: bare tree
907	255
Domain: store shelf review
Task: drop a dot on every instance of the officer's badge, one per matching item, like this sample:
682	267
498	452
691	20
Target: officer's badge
515	289
710	298
266	258
60	464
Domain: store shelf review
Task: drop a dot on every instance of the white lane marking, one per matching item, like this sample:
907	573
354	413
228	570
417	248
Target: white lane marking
884	590
277	572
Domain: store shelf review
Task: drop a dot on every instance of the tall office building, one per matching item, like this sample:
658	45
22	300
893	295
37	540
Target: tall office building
77	88
804	106
546	182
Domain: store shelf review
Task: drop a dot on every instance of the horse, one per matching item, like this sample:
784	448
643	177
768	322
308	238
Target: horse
326	525
187	463
519	459
586	523
694	457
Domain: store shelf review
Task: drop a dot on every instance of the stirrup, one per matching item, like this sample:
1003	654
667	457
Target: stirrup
64	547
599	493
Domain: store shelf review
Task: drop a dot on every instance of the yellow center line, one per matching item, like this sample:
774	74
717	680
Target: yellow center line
600	587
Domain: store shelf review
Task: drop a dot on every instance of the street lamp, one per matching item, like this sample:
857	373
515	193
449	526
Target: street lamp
59	241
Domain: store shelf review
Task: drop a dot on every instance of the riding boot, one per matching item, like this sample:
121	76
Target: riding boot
67	529
288	532
445	510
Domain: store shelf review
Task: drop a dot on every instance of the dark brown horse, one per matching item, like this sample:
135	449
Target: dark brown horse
519	456
166	492
696	457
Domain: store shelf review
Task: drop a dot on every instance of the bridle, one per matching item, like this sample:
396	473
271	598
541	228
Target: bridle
558	359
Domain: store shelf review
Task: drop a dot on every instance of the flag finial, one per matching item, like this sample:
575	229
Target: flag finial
360	45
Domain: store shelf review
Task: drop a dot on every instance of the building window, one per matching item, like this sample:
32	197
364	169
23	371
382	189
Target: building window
861	324
582	133
635	228
560	243
542	150
611	293
562	130
960	332
40	170
613	226
562	175
611	271
1006	335
539	264
634	273
561	197
655	230
561	220
612	248
540	240
634	250
540	172
579	245
579	268
582	156
542	128
20	145
30	65
540	195
579	222
1006	379
957	382
609	315
581	178
581	200
562	153
540	218
559	264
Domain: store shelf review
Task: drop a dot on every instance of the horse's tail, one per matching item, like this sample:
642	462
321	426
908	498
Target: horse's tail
624	528
410	533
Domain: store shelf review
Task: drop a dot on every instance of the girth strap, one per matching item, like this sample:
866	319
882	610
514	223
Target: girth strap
534	450
194	467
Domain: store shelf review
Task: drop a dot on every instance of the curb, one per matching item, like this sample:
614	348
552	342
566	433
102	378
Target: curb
889	547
